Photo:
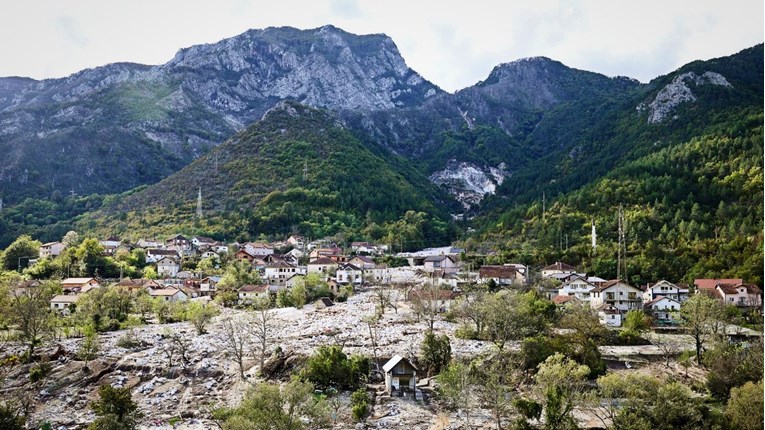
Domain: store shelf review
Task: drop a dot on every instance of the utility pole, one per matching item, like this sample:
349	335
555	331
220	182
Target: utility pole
621	267
305	171
543	206
199	204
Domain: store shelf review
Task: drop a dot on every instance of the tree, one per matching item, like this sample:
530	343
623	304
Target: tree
149	272
104	308
236	341
426	302
495	385
635	323
267	407
90	255
668	346
436	352
71	239
329	367
22	249
584	321
262	324
89	346
456	387
701	316
359	404
32	315
115	409
731	365
560	383
199	315
745	406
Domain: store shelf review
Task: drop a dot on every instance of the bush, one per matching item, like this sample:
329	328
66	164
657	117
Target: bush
40	371
436	353
466	331
284	299
128	341
330	367
359	404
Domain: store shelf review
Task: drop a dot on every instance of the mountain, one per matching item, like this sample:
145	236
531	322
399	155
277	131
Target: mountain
115	127
683	157
472	140
296	168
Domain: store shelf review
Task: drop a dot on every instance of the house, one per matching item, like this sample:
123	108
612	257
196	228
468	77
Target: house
278	272
249	293
258	249
709	286
168	267
400	375
349	274
133	285
219	248
365	248
578	287
64	303
564	300
190	291
111	242
741	295
296	254
25	287
566	277
362	262
292	280
377	275
51	249
618	294
209	254
324	252
609	316
169	294
596	281
445	279
202	242
243	254
296	242
323	303
321	265
78	285
149	243
418	258
155	254
207	286
501	275
557	268
440	262
665	289
664	309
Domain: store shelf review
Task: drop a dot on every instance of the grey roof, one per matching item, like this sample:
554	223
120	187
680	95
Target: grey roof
387	367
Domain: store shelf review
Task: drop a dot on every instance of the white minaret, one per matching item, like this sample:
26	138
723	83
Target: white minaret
594	236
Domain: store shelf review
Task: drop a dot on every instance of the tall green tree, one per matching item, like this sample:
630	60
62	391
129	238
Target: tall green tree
20	252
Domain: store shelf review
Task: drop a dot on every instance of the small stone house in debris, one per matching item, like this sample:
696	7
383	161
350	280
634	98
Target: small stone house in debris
400	375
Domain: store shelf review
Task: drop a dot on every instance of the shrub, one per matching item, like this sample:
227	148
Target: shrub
466	331
330	367
128	341
359	404
436	353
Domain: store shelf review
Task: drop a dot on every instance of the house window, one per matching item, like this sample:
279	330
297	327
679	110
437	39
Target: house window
632	296
609	296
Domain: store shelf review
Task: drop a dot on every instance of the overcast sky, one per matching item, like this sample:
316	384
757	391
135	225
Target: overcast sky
454	44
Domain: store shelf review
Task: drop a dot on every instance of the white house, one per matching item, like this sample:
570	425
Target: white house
741	295
51	249
63	303
349	274
502	275
278	272
578	287
78	285
296	242
249	293
557	268
155	254
440	262
207	286
618	294
202	242
400	375
362	262
168	294
377	275
664	309
258	249
168	267
321	265
149	243
219	248
111	242
610	316
665	289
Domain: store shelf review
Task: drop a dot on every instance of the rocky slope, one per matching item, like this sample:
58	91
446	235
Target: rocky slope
118	126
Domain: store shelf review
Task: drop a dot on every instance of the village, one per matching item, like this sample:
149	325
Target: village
171	345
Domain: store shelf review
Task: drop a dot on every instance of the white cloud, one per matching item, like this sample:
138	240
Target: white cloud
454	44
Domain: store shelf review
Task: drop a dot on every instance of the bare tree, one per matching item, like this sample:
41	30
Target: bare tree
236	341
175	347
427	302
668	346
261	324
371	321
384	297
703	317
